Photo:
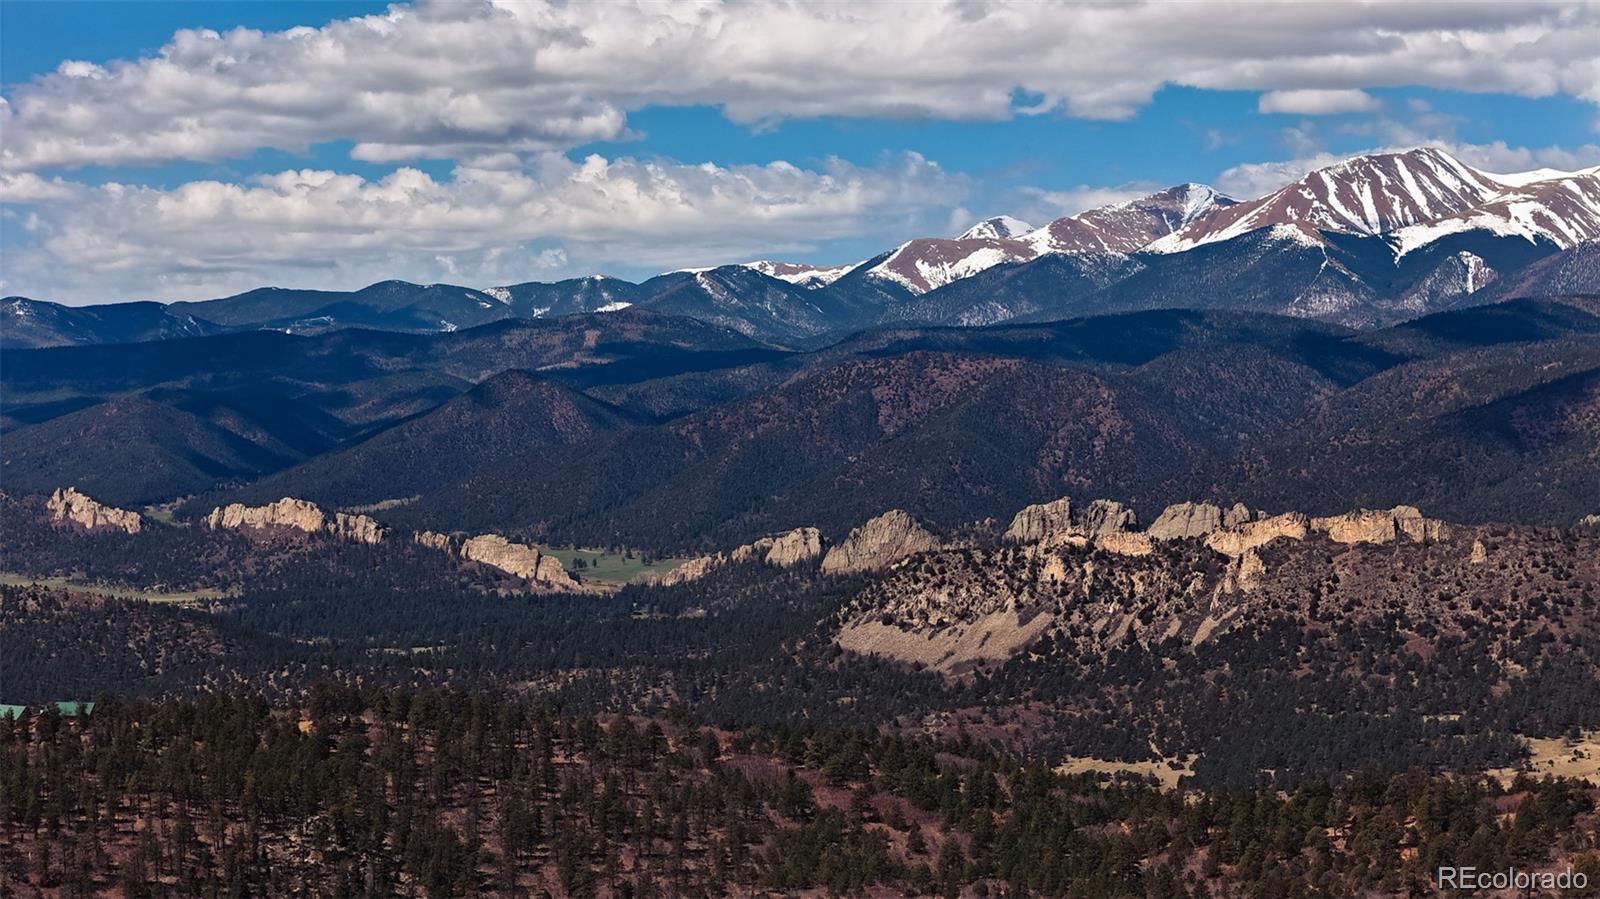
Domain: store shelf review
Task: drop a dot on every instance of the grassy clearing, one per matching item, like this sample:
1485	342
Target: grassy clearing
12	579
1167	771
613	568
1558	757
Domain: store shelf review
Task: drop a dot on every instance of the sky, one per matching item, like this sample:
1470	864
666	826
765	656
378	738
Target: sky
192	150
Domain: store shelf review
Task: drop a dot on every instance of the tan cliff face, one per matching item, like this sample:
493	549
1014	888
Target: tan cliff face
1036	522
296	514
952	611
66	504
784	550
1239	539
1381	526
299	515
356	528
434	540
879	543
1059	520
519	559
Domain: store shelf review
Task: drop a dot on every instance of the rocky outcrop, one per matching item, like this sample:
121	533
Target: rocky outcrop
780	551
68	505
783	550
1589	524
691	570
1035	523
519	559
295	514
1124	543
1239	539
434	540
878	544
1057	521
1381	526
356	528
1104	516
1181	520
798	545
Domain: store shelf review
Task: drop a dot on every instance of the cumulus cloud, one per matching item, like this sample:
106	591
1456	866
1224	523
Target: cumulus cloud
453	78
485	225
1257	179
1318	102
1045	205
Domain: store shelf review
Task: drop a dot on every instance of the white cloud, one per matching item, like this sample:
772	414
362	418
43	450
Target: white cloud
1318	102
483	226
452	79
1046	205
1256	179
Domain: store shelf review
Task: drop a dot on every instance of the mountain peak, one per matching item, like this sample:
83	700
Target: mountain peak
1370	194
1000	226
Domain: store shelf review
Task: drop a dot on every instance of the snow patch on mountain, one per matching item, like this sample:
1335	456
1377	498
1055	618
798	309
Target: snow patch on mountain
1000	226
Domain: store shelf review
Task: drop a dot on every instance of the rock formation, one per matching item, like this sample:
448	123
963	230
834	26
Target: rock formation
1185	520
1381	526
1589	524
780	551
1057	520
356	528
298	515
878	544
67	504
434	540
1104	516
285	513
1239	539
798	545
519	559
1035	523
1124	543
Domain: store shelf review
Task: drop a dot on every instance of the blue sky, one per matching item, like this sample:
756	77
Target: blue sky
477	146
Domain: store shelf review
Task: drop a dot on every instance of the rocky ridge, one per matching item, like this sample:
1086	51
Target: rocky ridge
780	551
878	544
519	559
1057	570
541	570
66	504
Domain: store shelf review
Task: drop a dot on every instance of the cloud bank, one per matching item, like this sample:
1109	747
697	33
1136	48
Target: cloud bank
450	79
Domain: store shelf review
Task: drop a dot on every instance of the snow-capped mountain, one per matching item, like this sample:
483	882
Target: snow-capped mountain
1364	195
1415	198
799	273
1560	207
928	263
1001	226
1130	226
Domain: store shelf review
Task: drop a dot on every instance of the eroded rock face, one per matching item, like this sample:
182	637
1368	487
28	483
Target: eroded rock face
519	559
1237	540
781	551
1381	526
285	513
1124	543
1181	520
356	528
879	543
434	540
1105	516
68	505
692	570
1589	524
1035	523
798	545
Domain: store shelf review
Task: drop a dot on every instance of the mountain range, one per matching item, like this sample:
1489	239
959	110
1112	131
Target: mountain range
1370	241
